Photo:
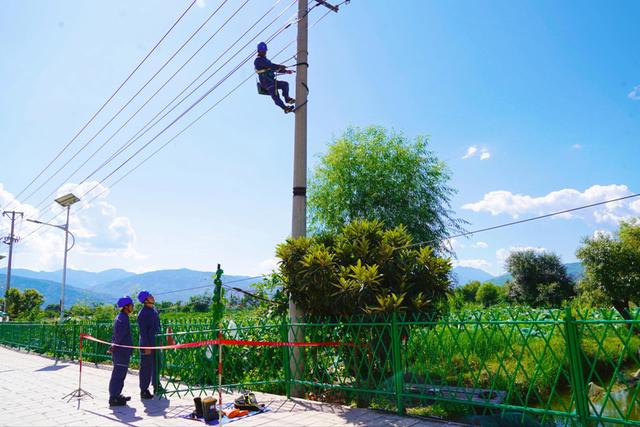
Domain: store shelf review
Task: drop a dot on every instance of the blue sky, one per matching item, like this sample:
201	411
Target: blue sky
534	105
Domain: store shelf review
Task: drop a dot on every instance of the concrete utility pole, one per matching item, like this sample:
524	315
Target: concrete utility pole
299	212
10	240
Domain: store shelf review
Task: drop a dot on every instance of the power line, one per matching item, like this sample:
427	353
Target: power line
150	98
147	128
509	224
173	138
108	99
210	285
95	135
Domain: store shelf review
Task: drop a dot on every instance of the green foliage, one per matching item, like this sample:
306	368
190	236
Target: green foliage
469	291
80	310
104	312
24	305
200	303
271	288
612	268
374	174
539	279
489	294
364	268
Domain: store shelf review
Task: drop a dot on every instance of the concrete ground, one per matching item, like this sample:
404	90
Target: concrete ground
32	389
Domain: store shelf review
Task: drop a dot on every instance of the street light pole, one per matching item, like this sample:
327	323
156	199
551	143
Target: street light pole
64	268
66	202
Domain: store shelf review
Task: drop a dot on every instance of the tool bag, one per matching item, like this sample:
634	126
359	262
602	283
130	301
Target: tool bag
209	410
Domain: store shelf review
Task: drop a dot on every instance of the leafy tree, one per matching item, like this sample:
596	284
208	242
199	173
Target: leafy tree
539	279
361	270
489	294
24	305
104	312
80	310
200	303
373	174
470	290
52	310
612	267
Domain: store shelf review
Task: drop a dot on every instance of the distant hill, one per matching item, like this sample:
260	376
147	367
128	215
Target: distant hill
79	279
161	281
108	285
574	269
51	291
464	275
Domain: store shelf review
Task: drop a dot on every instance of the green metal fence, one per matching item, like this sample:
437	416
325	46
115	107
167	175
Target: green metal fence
555	366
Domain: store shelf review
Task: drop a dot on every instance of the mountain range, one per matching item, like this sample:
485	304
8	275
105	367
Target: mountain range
107	286
173	285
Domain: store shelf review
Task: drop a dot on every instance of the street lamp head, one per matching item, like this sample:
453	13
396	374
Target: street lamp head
67	200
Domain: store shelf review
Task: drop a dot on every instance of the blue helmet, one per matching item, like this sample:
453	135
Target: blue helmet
125	300
262	47
143	295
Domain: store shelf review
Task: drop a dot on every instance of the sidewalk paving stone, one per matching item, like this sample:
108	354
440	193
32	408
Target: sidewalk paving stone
32	389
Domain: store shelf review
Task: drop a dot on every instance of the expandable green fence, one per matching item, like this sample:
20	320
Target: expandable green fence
551	367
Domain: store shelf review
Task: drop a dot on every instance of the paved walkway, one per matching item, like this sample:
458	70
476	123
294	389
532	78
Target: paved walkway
32	387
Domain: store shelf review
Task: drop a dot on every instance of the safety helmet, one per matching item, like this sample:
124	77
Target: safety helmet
262	47
125	300
143	295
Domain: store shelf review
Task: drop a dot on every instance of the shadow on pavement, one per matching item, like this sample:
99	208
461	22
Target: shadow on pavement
121	414
51	368
156	407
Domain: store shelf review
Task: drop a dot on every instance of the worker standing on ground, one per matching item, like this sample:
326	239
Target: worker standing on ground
120	355
149	326
266	74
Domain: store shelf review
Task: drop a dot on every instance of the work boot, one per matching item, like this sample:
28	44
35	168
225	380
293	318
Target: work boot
288	109
117	401
125	398
290	101
145	395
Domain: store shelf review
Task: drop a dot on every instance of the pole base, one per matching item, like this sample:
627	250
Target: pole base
77	394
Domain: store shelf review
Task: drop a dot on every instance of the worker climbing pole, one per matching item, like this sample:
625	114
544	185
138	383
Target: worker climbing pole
268	84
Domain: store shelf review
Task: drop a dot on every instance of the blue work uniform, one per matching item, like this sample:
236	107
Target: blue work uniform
266	74
120	356
149	326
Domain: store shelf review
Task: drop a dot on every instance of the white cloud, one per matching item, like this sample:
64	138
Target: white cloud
473	263
103	238
503	253
576	146
635	206
201	3
480	245
515	205
473	150
635	93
